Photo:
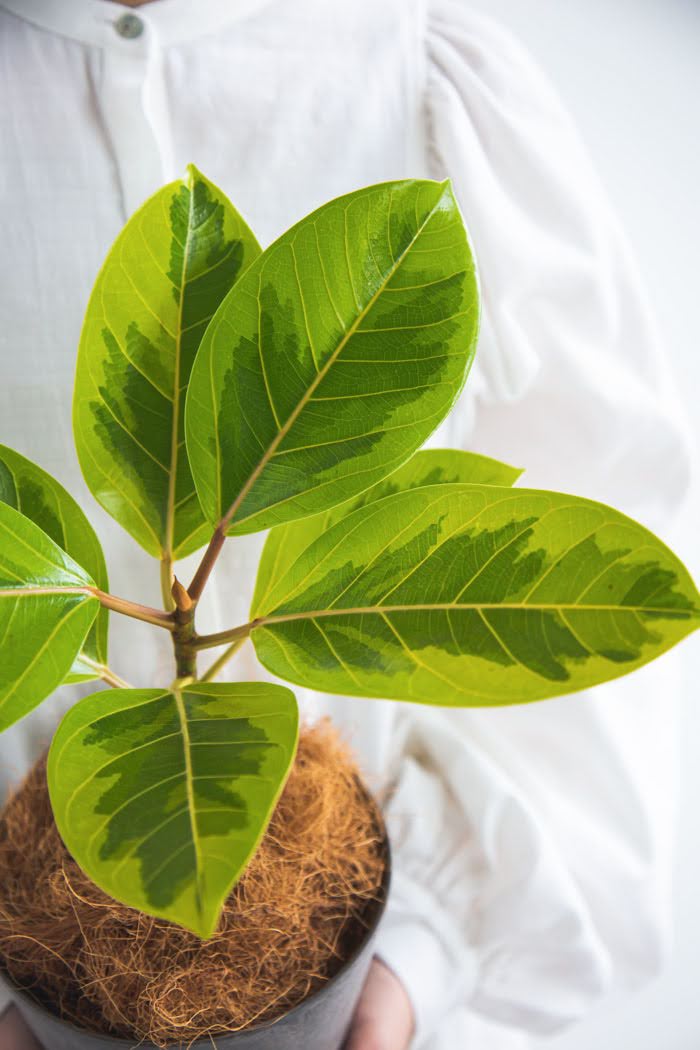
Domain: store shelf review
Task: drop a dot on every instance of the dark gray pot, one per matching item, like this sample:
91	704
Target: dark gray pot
321	1022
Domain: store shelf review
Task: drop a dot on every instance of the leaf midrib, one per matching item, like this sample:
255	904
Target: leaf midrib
24	592
191	808
321	374
175	426
371	610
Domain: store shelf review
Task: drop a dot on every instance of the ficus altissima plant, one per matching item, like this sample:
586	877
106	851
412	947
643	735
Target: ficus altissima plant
222	390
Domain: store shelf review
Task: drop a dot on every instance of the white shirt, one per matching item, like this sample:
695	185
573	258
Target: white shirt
531	844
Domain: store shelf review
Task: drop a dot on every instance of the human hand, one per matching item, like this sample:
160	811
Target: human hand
384	1016
14	1034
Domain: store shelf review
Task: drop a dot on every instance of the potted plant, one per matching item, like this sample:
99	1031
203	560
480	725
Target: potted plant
224	390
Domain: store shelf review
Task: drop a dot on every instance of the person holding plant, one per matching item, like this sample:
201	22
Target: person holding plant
517	832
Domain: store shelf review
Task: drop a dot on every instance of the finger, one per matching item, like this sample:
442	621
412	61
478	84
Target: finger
384	1016
14	1033
362	1037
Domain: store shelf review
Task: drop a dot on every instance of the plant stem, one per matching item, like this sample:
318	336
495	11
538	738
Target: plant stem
207	563
133	609
166	582
210	641
222	660
184	634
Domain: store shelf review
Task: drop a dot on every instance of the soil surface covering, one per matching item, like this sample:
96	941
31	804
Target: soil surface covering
299	911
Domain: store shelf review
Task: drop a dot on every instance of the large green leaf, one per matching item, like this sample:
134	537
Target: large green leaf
437	466
46	611
163	796
38	496
162	281
471	594
334	357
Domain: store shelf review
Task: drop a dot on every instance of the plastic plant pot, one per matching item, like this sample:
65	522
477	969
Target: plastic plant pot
320	1022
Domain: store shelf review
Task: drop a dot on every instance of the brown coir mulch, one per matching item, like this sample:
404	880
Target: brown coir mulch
295	916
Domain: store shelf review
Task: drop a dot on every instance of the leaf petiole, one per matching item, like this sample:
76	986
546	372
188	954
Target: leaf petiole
207	563
166	582
218	665
134	609
105	673
234	635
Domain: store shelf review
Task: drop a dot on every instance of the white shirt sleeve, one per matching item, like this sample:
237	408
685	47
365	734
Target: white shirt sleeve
532	844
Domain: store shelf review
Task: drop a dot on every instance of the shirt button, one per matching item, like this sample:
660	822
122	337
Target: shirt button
129	26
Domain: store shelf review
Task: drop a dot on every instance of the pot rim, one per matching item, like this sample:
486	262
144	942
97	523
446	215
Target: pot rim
24	994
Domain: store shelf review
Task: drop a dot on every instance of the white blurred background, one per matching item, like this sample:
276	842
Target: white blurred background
629	72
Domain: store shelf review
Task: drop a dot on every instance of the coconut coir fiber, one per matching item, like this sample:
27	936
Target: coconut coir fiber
296	914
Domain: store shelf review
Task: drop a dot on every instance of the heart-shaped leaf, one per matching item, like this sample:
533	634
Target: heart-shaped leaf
439	466
46	611
166	274
473	594
163	796
334	357
38	496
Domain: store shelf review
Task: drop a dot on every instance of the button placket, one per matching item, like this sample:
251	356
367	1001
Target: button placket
134	108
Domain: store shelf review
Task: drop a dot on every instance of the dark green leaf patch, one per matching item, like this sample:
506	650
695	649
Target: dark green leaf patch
470	594
440	466
163	796
329	362
160	285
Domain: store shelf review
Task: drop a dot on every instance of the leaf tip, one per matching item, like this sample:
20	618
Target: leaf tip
193	174
447	189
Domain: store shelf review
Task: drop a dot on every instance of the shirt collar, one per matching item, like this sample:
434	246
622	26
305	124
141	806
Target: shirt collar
95	21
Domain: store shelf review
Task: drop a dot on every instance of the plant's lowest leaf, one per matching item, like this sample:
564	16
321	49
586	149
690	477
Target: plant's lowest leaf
38	496
166	274
439	466
334	357
475	595
163	796
46	611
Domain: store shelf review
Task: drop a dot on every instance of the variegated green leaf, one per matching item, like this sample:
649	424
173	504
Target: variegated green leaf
46	611
38	496
471	594
162	281
162	797
334	357
439	466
